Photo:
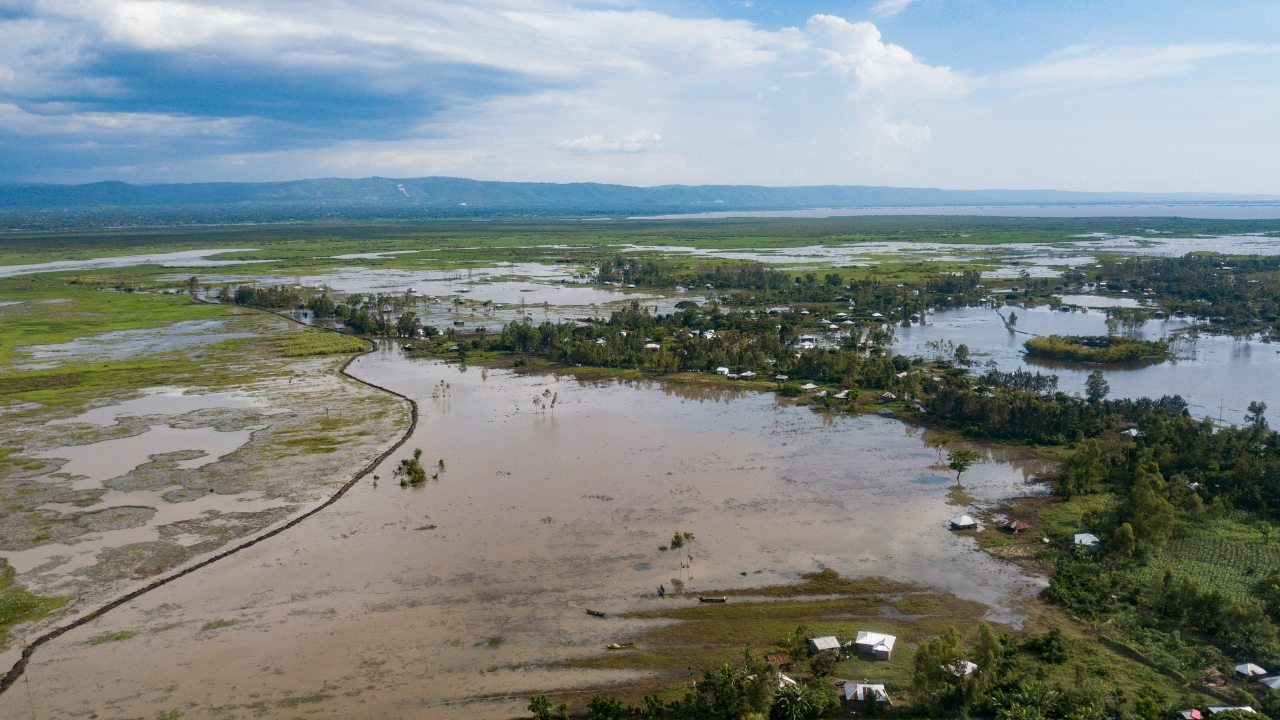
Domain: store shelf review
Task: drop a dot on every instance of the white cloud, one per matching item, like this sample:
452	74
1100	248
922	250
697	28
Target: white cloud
857	48
889	8
1086	65
17	120
596	143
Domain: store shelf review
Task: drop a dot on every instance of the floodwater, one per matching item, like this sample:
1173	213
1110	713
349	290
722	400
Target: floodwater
1217	375
91	464
165	401
400	602
1224	211
120	344
185	258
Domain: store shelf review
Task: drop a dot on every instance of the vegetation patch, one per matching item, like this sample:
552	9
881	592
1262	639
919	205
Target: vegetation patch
110	637
302	344
17	605
1094	348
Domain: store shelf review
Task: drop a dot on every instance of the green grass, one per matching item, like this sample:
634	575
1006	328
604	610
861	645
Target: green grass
217	624
310	342
17	605
110	637
50	313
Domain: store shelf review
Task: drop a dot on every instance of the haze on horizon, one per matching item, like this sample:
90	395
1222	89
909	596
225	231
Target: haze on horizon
961	94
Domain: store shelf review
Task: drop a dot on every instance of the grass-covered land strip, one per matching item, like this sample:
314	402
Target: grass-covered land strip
1094	348
17	605
313	342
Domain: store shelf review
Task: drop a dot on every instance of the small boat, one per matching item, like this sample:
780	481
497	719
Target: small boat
597	613
616	646
707	599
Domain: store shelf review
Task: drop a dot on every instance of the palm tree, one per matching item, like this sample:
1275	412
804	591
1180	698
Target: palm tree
792	703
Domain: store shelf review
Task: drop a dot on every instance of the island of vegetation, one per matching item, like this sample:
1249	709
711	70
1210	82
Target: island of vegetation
1094	348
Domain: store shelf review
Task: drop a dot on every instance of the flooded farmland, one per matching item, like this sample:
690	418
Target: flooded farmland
418	601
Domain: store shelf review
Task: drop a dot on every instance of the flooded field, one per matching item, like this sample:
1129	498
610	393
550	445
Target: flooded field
1218	375
424	601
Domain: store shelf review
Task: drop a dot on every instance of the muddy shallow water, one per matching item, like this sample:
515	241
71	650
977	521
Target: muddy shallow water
403	602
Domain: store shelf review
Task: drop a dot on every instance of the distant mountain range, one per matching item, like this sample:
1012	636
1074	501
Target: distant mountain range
447	196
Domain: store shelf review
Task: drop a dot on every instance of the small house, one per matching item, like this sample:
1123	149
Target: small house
722	370
1085	540
876	644
652	346
857	695
962	669
888	397
1016	526
1271	682
781	378
1191	714
824	644
748	375
1249	670
808	386
1214	710
964	522
784	681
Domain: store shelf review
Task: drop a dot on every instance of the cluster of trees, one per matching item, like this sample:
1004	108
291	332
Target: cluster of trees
1243	291
267	297
738	340
1094	349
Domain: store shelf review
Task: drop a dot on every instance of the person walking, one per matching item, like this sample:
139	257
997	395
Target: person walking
662	591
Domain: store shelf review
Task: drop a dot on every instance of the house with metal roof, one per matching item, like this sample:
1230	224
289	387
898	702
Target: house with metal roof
874	643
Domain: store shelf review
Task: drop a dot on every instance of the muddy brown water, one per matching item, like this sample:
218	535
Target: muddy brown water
414	602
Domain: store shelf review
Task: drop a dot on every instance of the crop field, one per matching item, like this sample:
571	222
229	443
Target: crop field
1224	555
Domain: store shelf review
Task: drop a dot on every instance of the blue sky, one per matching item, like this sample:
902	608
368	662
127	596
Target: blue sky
1084	95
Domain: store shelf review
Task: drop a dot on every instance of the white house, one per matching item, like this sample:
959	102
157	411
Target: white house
1250	670
857	695
1214	710
808	386
1271	682
748	375
652	346
964	522
874	643
826	643
1086	540
962	668
722	370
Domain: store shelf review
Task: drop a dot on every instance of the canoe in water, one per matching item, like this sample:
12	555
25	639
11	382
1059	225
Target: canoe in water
707	599
597	613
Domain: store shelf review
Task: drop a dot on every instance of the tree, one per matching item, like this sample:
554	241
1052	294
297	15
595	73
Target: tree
1255	416
1125	541
962	354
1083	470
936	660
823	665
603	708
939	442
542	707
989	655
1147	512
408	325
961	460
1096	387
791	703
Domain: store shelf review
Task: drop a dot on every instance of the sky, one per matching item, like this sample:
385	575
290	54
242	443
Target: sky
961	94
